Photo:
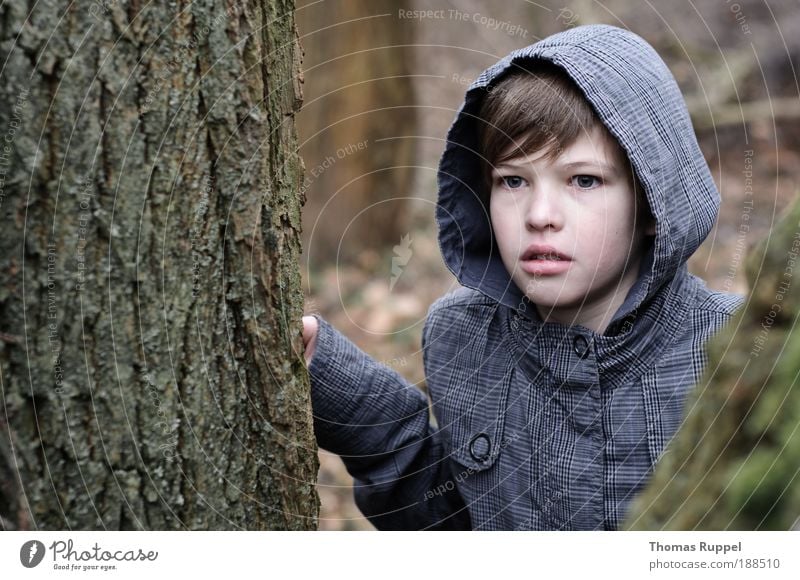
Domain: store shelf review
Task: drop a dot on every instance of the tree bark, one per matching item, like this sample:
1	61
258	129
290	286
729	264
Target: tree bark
735	462
151	356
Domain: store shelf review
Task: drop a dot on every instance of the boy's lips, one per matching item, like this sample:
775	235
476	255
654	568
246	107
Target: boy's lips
544	260
542	251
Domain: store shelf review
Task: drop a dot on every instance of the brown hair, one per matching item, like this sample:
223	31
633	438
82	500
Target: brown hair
537	107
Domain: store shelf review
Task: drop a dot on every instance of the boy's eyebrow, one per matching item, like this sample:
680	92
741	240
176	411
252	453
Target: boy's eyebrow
604	167
510	164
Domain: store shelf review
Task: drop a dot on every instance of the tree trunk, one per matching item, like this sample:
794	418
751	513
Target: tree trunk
151	355
735	462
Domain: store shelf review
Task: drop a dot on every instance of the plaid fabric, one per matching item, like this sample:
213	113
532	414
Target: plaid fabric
537	425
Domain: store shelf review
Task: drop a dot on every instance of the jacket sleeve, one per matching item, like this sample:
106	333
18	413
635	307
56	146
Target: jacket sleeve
379	424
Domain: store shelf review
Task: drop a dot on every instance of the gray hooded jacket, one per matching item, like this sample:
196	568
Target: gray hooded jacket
537	425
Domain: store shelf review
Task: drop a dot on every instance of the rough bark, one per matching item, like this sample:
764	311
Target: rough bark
150	303
735	462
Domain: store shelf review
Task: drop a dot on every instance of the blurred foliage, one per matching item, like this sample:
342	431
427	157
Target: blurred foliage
735	461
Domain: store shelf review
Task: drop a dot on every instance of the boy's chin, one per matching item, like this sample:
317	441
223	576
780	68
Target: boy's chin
550	305
550	292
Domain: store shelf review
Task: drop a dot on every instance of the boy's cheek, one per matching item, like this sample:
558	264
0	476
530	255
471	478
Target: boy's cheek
507	235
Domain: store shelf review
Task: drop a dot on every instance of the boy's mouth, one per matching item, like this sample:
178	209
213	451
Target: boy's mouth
543	260
544	257
539	252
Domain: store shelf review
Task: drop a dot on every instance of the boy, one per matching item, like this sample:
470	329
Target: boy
572	192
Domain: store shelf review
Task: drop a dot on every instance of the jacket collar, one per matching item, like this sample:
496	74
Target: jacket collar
579	357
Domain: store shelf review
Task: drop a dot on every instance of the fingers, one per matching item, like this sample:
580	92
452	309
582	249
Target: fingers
310	329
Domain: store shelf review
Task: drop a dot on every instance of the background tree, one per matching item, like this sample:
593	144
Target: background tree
150	303
360	116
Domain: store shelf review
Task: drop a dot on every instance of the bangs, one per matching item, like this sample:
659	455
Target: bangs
529	111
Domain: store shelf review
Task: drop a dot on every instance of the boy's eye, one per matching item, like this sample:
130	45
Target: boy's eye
585	181
512	181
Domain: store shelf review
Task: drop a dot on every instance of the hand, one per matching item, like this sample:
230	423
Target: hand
310	330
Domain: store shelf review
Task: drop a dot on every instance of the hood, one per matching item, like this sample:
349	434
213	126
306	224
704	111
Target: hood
636	97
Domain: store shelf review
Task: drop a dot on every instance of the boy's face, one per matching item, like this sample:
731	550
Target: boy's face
582	206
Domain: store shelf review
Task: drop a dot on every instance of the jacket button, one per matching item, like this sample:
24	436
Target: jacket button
479	447
581	346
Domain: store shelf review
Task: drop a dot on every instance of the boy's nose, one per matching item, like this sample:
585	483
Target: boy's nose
543	212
